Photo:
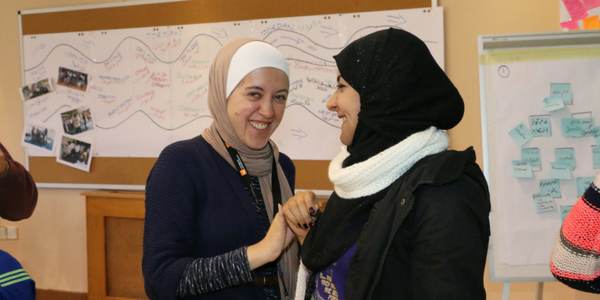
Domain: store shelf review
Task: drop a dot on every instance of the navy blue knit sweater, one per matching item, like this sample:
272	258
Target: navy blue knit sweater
196	206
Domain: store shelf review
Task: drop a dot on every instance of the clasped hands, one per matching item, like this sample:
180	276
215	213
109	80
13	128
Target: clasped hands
295	218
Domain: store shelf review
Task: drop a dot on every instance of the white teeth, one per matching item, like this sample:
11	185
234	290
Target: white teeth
344	119
259	126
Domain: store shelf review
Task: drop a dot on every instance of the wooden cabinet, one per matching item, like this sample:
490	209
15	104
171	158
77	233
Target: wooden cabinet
115	229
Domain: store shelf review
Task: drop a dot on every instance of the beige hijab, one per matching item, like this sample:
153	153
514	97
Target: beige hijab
258	162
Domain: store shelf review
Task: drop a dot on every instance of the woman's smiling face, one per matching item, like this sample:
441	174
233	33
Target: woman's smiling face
346	102
256	106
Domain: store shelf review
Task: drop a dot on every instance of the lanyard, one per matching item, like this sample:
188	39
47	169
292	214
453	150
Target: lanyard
239	164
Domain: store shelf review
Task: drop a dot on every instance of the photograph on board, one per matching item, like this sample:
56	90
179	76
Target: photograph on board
37	89
77	121
75	153
72	79
38	137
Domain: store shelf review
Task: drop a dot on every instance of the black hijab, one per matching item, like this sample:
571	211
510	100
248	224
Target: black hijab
402	91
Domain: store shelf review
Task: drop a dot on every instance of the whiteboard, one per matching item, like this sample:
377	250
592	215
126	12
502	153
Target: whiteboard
148	86
517	72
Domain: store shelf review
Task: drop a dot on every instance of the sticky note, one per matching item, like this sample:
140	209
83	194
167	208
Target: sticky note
522	169
571	25
553	103
591	4
592	22
550	186
562	90
596	157
566	155
543	202
571	127
564	211
560	170
576	9
521	134
540	125
582	184
596	132
532	156
587	126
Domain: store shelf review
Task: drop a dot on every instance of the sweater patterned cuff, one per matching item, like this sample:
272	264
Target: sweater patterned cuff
204	275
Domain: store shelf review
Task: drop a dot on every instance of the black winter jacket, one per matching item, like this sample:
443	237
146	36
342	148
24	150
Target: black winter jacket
428	237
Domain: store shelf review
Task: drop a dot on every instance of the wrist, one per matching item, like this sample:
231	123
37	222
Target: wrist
259	255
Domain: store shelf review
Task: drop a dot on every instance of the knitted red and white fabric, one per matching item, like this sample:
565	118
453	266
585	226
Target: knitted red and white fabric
576	253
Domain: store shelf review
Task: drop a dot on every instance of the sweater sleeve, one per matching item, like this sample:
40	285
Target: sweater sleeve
18	192
169	223
204	275
575	259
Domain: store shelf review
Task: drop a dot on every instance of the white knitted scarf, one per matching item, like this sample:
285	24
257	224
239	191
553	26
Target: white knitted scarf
378	172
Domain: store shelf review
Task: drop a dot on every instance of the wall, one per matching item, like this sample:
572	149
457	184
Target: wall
52	243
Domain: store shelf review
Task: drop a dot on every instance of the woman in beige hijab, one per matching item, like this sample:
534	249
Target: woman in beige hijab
212	227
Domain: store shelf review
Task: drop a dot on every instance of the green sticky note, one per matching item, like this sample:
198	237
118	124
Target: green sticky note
561	170
596	156
522	169
521	134
564	211
566	155
540	126
533	156
550	186
587	126
543	202
582	184
596	131
571	127
553	103
562	90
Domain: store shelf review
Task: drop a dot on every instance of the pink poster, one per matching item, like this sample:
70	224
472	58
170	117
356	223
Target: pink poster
576	9
591	3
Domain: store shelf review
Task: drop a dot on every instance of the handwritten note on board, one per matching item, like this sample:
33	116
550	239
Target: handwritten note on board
553	103
561	170
596	132
566	155
540	125
521	134
550	186
582	184
543	202
562	90
522	169
533	156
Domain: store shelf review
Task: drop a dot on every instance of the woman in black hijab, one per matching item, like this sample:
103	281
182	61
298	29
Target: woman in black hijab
409	217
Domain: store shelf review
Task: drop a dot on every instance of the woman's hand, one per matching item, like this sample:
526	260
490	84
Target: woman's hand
300	212
268	249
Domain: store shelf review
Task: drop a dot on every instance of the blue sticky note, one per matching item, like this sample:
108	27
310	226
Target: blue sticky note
533	156
596	131
587	126
540	126
521	134
543	202
550	186
566	155
564	211
553	103
596	157
562	90
582	184
571	127
561	170
522	169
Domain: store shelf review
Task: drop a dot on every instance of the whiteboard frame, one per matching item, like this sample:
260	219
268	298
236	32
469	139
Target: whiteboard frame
502	272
